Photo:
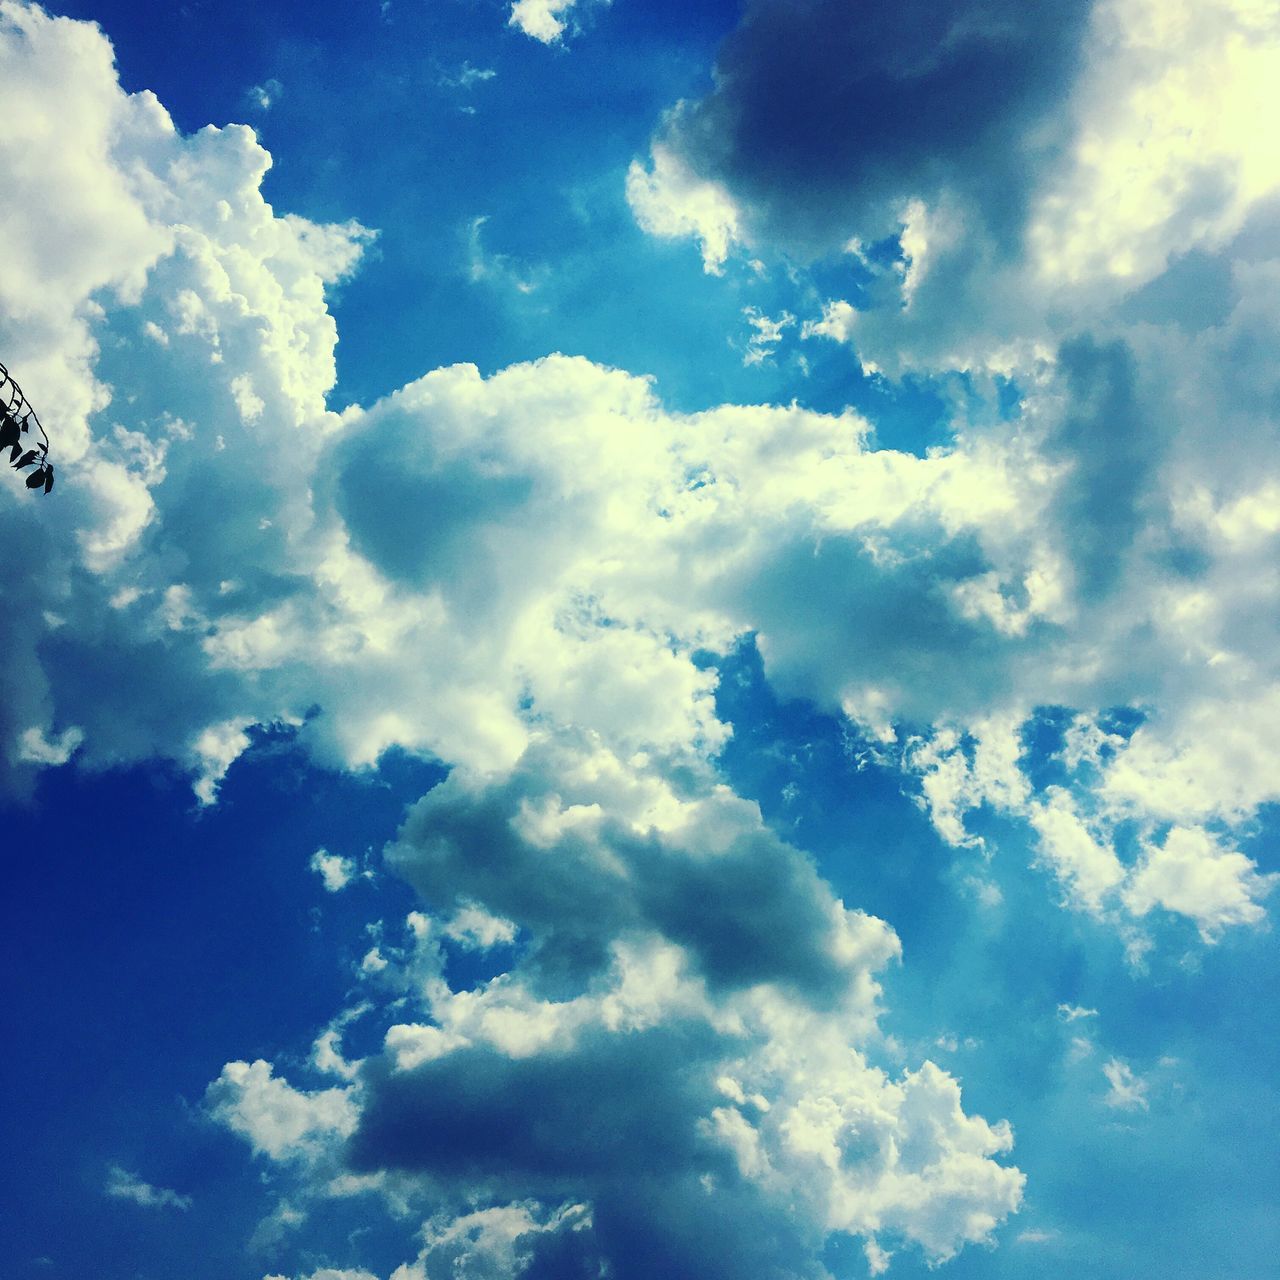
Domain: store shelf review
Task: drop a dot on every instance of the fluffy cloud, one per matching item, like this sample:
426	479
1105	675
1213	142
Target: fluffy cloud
528	576
1033	162
501	1242
670	200
826	117
681	1037
1112	259
472	561
174	235
276	1119
334	870
545	20
685	1013
1192	874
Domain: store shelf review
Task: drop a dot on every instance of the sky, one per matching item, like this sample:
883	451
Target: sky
655	651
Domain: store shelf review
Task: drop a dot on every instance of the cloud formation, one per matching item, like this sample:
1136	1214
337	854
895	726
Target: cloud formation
825	116
546	20
529	576
559	546
657	1050
123	1185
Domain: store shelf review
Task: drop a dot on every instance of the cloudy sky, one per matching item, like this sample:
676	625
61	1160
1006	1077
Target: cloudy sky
655	654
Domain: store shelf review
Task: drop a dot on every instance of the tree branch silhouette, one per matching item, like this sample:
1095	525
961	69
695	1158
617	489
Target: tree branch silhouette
17	417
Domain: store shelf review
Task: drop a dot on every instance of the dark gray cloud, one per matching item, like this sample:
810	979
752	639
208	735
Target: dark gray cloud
610	1104
1107	439
419	517
827	113
614	1121
832	613
752	911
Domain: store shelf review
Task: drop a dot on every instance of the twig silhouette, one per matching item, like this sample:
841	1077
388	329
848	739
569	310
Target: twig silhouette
17	417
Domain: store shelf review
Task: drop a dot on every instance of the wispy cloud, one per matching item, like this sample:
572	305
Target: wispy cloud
1128	1091
123	1185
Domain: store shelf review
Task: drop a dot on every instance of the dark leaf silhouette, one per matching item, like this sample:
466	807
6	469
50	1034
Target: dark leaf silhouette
17	418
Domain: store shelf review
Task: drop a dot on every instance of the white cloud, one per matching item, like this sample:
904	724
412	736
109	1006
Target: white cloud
560	546
264	96
476	929
499	268
336	871
767	334
669	200
1036	1237
1166	156
497	1243
123	1185
1192	874
35	747
545	20
878	1259
273	1230
1088	867
1158	161
332	1273
517	573
466	77
1128	1091
1074	1012
276	1119
601	863
215	749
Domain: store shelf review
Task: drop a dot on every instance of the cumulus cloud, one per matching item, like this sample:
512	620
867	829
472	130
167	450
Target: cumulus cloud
1192	874
826	118
335	871
546	20
670	200
1117	139
528	576
471	560
276	1119
1110	257
679	1039
503	1242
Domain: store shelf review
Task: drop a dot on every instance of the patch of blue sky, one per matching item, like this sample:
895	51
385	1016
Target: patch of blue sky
144	939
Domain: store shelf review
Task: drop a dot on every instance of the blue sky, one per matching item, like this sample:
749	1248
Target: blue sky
655	652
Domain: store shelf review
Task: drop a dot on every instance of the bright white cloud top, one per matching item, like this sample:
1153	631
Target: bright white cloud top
521	575
546	20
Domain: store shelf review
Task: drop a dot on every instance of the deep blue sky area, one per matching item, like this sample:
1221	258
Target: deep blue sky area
182	937
554	791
